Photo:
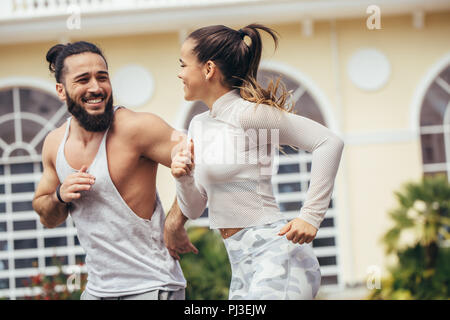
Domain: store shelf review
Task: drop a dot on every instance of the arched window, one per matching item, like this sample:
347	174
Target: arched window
435	125
27	114
292	180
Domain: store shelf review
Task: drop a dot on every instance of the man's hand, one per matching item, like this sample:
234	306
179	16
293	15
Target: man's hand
175	236
74	183
298	231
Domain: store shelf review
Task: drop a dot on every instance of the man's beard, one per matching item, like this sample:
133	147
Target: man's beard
93	123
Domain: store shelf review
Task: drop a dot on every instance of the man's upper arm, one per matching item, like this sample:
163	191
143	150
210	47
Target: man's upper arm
49	180
157	139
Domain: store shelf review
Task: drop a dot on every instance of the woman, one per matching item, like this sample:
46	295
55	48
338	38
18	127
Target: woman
270	257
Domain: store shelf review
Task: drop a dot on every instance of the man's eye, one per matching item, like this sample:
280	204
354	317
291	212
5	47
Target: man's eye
83	80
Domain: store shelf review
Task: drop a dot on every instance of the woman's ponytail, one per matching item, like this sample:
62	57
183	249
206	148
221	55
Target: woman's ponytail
239	61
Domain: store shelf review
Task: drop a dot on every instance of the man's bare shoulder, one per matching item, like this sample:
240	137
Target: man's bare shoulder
130	122
52	141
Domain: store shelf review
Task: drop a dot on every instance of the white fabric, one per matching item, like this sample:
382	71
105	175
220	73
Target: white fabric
234	148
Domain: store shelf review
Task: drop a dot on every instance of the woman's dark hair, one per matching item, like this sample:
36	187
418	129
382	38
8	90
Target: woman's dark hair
239	61
58	53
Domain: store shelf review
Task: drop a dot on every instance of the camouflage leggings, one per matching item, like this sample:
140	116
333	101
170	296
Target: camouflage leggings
266	266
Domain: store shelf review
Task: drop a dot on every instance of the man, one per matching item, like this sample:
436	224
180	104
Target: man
100	166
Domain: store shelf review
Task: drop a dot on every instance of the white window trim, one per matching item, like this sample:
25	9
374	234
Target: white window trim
42	252
427	80
30	82
421	90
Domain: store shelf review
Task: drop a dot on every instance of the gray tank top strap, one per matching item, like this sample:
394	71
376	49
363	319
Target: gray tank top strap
66	134
101	153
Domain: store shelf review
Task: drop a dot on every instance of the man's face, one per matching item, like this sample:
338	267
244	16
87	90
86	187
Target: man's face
87	91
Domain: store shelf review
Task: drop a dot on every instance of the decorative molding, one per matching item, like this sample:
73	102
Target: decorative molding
380	137
104	19
133	85
369	69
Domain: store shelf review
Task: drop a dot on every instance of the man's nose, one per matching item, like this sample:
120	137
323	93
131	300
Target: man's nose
94	87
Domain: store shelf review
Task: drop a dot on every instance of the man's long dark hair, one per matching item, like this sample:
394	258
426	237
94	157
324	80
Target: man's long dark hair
58	53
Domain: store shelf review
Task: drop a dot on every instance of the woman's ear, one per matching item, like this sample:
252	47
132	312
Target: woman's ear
210	69
61	91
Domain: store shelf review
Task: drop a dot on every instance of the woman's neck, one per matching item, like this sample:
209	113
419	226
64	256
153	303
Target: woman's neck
215	94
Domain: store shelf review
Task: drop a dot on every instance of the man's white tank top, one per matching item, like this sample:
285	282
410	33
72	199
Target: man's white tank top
125	254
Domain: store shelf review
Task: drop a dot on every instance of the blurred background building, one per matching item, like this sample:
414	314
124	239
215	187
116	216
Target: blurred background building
375	72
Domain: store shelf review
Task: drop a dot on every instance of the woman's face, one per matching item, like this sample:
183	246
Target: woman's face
192	73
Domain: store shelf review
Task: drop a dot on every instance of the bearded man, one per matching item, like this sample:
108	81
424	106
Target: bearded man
100	167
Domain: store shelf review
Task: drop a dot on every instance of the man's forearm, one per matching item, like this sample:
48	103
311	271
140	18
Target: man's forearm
175	215
175	235
50	209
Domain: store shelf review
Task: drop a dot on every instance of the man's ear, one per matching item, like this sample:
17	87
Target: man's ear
61	91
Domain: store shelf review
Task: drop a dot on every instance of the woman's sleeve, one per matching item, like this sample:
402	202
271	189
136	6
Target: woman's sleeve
190	200
306	134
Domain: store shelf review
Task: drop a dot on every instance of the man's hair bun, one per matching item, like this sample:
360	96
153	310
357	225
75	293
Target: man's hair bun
52	55
59	52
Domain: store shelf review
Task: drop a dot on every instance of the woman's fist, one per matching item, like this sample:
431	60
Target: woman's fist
183	161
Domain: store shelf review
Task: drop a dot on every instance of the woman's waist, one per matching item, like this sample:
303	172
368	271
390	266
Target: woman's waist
228	232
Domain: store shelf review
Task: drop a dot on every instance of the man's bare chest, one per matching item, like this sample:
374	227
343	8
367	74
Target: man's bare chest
111	153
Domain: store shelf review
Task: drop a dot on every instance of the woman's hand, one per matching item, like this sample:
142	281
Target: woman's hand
298	231
183	161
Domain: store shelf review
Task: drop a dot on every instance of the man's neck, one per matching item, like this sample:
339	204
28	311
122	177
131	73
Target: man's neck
82	135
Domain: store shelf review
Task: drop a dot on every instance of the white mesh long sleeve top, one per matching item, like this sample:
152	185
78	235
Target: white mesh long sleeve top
234	148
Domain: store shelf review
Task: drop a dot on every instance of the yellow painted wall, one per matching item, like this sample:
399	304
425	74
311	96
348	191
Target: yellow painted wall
411	53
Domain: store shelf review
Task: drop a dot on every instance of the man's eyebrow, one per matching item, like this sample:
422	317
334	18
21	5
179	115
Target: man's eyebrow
82	75
87	73
181	61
